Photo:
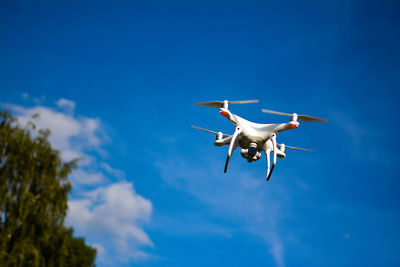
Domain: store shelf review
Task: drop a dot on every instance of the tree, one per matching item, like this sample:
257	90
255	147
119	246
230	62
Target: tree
34	190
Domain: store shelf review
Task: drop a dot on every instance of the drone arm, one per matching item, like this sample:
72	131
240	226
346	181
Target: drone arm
224	141
229	115
232	146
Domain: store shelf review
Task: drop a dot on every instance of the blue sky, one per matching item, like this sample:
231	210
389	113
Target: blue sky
116	82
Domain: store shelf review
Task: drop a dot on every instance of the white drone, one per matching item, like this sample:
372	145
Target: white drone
252	137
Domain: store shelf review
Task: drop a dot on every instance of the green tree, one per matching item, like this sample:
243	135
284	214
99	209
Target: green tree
34	190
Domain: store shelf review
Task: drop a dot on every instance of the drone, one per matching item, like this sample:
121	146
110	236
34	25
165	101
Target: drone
254	138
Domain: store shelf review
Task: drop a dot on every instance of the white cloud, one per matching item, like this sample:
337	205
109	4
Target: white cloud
68	105
84	177
111	217
114	213
69	134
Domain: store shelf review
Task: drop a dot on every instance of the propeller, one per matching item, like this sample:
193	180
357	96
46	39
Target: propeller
299	148
220	104
283	146
303	118
209	131
232	146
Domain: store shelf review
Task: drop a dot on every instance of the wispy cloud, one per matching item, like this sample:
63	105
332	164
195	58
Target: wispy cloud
190	224
114	172
66	104
237	196
25	95
362	139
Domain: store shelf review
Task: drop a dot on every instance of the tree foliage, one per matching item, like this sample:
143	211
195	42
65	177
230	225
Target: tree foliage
34	190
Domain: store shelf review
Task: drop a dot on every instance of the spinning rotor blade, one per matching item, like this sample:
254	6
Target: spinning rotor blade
219	104
209	131
306	118
275	112
244	101
299	148
202	129
303	118
213	104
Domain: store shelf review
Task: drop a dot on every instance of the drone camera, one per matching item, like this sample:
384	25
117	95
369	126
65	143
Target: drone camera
252	151
250	157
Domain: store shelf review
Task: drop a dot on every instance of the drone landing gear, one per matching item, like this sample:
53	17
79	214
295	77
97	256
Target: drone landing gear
232	146
271	146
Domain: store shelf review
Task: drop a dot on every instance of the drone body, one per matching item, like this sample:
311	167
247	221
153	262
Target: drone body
254	138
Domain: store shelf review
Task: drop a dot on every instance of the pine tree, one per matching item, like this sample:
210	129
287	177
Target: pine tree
34	190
